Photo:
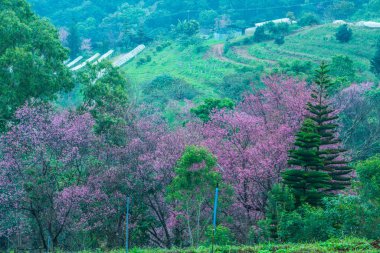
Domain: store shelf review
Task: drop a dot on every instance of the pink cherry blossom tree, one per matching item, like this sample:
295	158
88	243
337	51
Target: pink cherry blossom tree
41	159
251	143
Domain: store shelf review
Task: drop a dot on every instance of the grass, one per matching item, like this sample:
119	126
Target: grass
183	63
319	43
349	245
195	65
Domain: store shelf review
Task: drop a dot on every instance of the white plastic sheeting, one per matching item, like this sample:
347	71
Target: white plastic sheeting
369	24
251	30
124	58
75	61
104	56
92	58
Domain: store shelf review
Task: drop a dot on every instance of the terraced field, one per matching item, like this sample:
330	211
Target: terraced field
205	65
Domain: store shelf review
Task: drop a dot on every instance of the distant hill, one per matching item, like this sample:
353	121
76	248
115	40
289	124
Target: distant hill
124	24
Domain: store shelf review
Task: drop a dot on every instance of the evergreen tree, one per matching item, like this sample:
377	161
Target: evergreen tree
375	62
309	182
324	117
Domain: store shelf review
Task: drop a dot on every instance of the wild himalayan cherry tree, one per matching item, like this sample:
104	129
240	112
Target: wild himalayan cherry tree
43	173
142	168
251	143
358	106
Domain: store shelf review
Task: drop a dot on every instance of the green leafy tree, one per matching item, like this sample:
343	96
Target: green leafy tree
204	110
369	176
280	201
260	34
344	33
375	61
165	88
325	117
188	27
207	18
223	235
192	189
31	59
73	41
280	40
309	19
104	92
342	9
307	180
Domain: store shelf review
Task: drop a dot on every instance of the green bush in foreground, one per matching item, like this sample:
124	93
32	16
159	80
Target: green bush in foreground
330	246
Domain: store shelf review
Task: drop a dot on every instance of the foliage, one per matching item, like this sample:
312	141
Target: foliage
42	159
187	28
223	235
296	67
342	9
251	144
207	18
104	96
324	117
344	33
332	246
342	67
375	61
308	19
359	122
31	59
164	88
65	173
308	183
260	34
192	188
271	31
235	86
73	41
279	40
210	105
368	172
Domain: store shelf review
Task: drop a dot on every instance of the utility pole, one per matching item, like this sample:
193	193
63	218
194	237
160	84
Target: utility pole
127	225
48	244
214	217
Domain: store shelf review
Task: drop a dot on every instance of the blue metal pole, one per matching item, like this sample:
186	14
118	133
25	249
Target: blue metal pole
215	206
214	217
126	226
48	244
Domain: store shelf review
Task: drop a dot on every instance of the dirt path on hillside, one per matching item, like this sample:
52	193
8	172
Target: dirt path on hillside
217	51
244	53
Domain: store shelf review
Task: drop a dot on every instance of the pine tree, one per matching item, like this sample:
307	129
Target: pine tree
308	182
375	62
324	117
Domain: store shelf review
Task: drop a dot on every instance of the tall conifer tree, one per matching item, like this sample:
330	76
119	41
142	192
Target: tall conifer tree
307	179
324	116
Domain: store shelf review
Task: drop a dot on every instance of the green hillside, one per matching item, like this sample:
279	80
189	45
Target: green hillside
204	65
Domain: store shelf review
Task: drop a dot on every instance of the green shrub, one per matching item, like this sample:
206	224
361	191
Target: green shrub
223	235
164	88
344	33
308	19
279	40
